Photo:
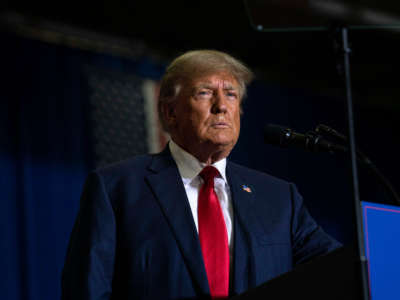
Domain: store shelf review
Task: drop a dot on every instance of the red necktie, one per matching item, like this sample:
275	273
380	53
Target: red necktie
213	236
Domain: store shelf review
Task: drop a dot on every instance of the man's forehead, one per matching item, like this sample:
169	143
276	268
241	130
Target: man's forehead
216	80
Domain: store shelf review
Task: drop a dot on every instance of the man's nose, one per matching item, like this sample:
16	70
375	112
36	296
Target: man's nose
219	105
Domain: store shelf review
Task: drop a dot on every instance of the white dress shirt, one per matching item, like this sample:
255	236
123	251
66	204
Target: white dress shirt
189	168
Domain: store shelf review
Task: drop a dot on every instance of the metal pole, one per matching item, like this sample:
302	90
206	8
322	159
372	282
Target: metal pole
352	147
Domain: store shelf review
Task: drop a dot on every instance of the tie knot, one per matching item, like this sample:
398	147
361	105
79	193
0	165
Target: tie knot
209	173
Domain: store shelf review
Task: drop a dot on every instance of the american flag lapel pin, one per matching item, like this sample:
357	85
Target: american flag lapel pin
246	188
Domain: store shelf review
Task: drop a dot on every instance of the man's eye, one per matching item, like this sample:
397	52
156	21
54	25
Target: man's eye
204	93
231	95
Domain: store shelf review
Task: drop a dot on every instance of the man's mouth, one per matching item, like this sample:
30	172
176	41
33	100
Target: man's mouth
220	125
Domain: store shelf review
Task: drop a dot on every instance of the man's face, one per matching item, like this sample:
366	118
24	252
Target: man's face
206	115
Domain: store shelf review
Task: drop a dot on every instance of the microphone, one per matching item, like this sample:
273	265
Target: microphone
311	141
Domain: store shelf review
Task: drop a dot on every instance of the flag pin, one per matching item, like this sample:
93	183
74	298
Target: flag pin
246	188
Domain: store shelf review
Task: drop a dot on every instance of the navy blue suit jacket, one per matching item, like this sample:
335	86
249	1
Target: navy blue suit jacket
135	237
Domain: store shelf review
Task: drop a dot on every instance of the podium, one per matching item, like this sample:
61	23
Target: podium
337	274
333	276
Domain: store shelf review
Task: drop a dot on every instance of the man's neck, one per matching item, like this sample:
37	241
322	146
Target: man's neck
206	155
188	165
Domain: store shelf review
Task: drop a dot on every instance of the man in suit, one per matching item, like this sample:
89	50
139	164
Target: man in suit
187	223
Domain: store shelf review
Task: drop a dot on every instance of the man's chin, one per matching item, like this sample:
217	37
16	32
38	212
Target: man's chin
223	144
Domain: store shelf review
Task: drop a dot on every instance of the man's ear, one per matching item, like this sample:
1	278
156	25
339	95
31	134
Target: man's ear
169	112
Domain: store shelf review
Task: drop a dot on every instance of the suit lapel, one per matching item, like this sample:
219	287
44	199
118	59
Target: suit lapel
247	229
170	193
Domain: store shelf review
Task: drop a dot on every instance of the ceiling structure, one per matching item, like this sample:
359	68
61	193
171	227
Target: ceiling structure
291	58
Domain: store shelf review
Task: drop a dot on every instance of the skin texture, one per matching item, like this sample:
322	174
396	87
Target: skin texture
205	118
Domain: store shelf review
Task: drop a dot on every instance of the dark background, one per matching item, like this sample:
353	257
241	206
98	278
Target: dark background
47	145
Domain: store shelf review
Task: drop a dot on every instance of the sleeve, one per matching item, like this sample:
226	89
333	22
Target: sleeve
308	238
89	264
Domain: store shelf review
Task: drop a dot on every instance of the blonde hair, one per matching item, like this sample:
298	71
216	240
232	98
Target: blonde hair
194	64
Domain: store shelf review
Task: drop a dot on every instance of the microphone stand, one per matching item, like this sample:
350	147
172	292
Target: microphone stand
342	44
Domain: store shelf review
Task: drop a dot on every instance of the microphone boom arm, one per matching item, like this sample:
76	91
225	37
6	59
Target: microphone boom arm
364	160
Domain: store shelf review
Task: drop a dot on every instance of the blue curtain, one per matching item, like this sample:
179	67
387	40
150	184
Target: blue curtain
45	154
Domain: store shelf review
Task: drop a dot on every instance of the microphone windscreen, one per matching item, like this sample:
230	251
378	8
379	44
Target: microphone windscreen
274	134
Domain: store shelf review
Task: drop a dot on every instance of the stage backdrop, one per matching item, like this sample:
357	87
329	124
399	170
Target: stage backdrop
65	112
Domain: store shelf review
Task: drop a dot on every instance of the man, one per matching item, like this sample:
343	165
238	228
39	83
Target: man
187	223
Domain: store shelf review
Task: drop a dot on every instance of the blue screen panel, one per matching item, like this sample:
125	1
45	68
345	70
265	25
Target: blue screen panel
382	247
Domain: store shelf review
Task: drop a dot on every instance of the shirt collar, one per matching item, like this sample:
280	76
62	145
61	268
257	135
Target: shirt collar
189	166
